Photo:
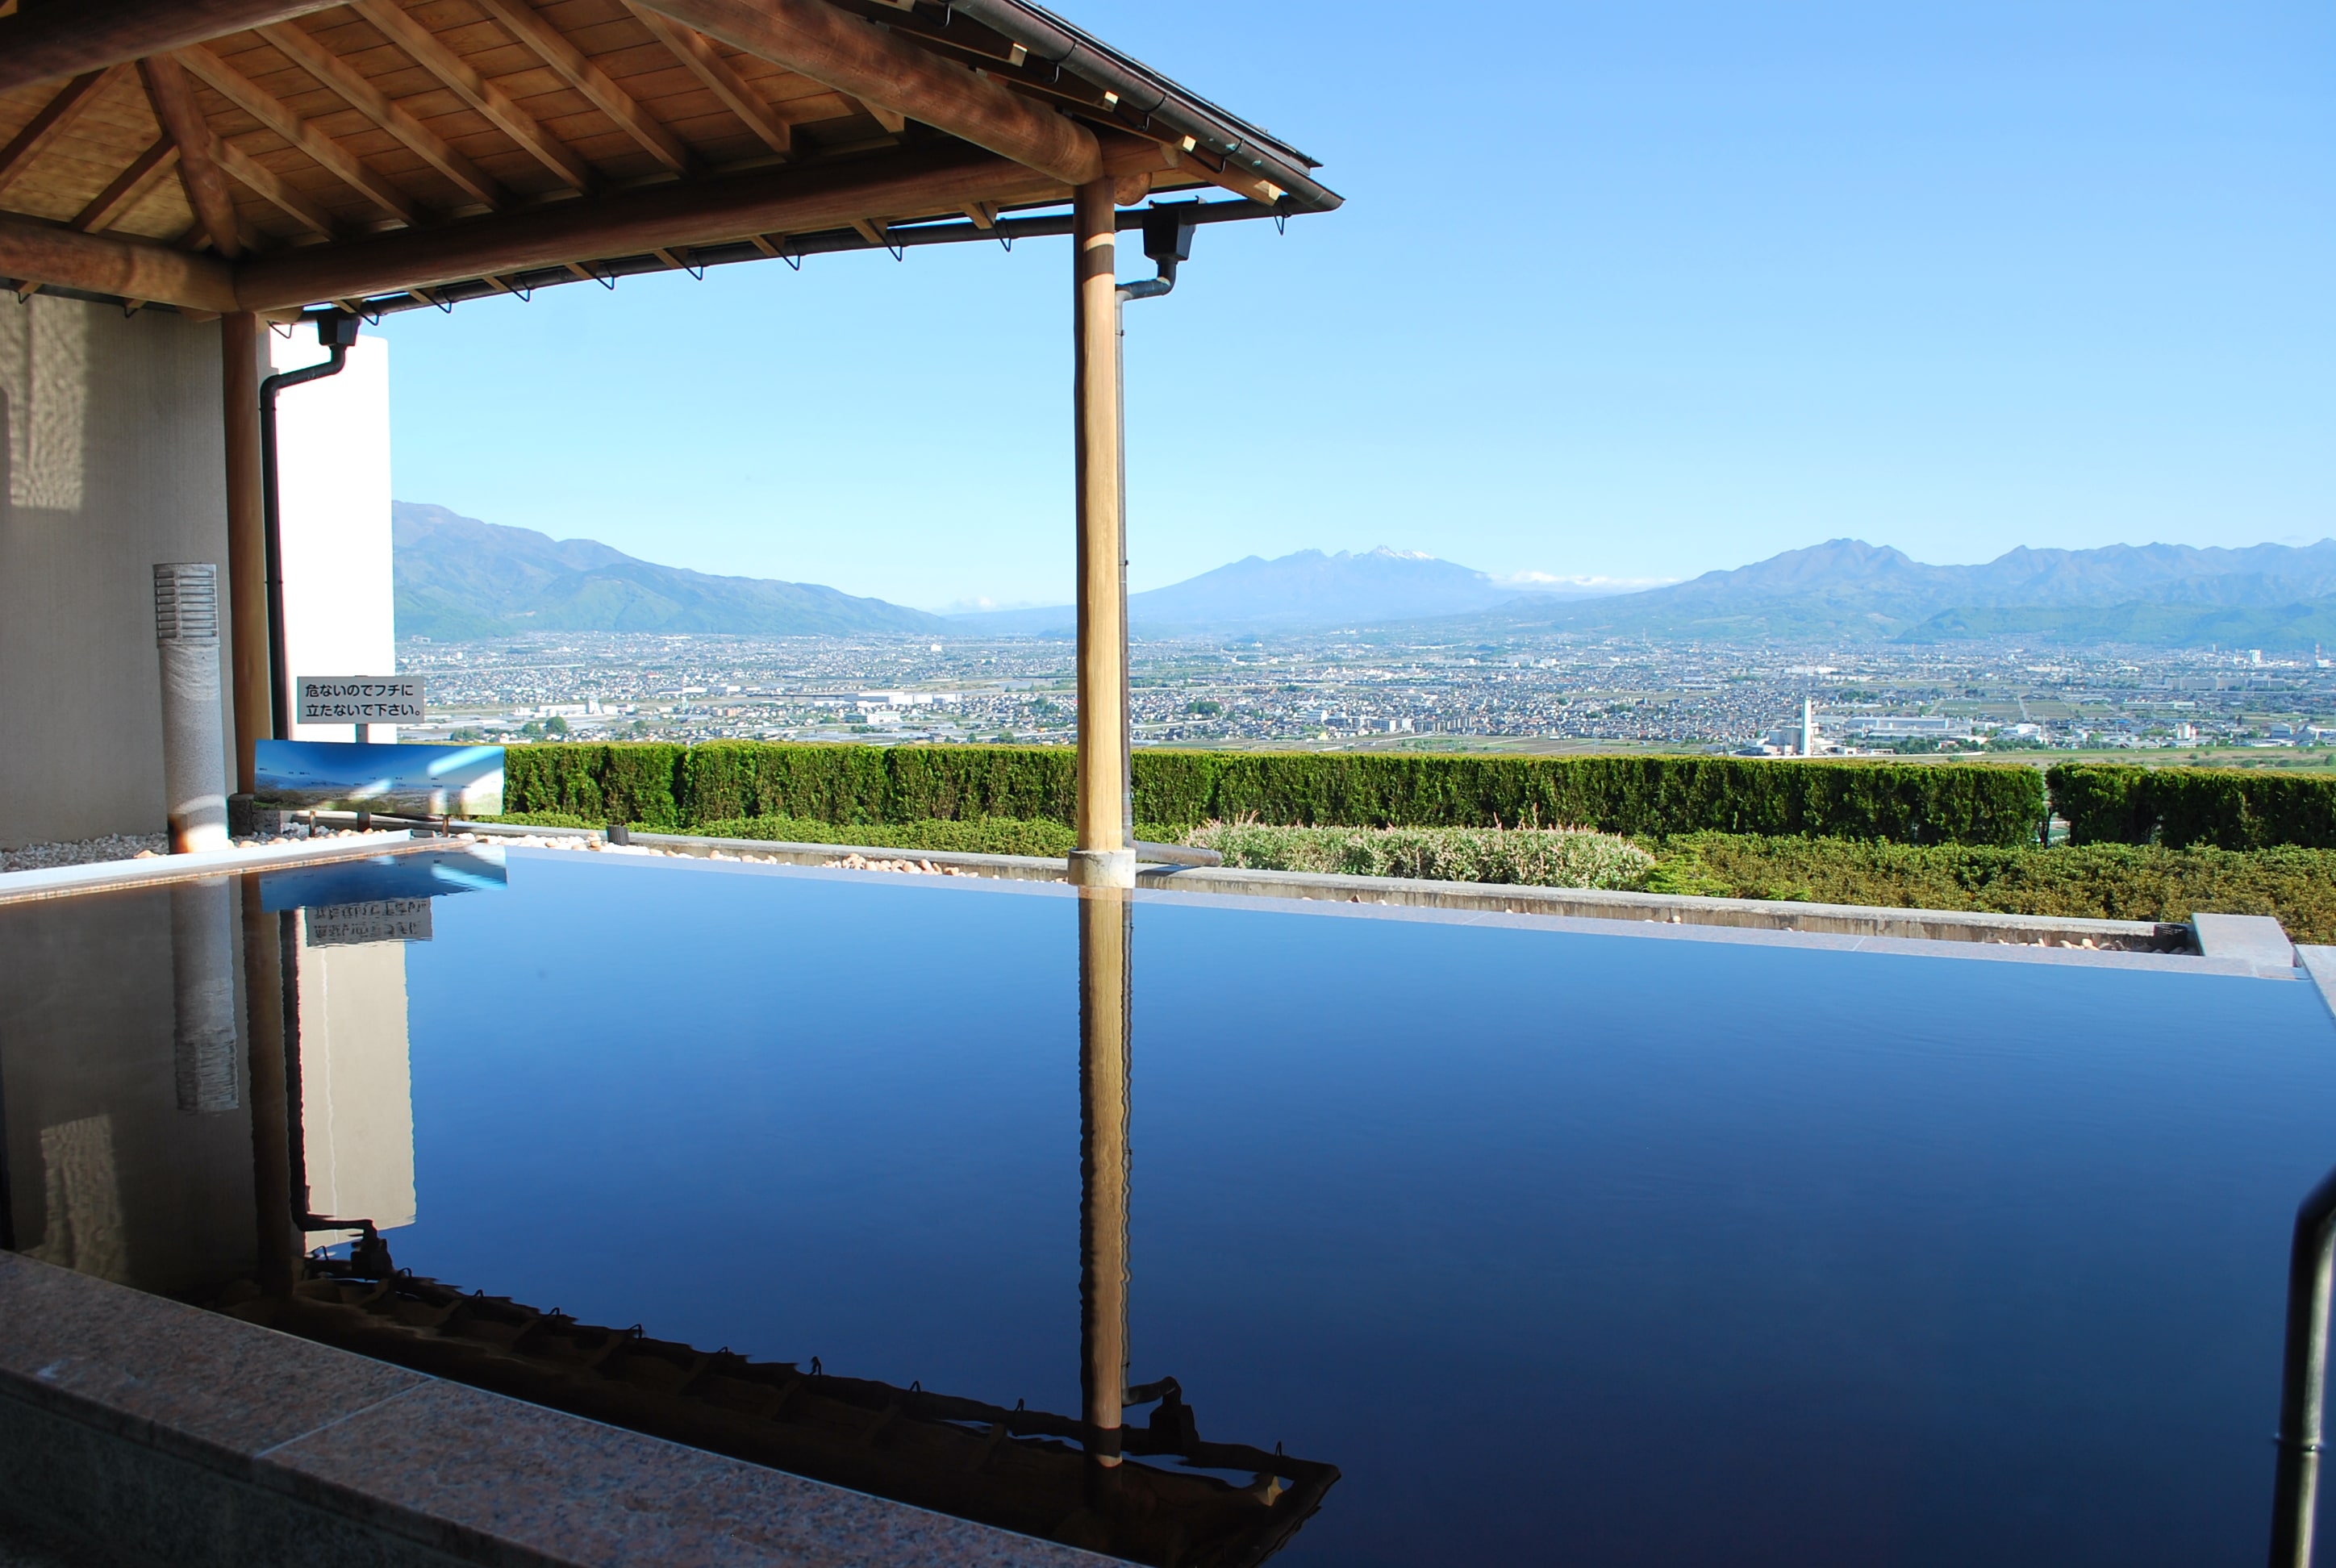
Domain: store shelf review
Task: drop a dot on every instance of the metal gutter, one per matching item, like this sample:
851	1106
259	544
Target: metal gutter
1143	90
898	239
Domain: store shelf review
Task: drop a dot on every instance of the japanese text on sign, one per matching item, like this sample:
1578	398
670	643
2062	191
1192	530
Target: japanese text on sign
359	699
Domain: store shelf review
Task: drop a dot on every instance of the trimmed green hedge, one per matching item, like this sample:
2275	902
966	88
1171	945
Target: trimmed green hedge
638	782
2228	808
668	786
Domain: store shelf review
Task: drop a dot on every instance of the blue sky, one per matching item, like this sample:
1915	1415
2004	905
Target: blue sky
1631	291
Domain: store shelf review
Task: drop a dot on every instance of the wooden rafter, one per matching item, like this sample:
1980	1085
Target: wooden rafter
567	63
52	42
320	148
424	49
295	44
269	187
852	56
696	51
56	118
173	97
129	187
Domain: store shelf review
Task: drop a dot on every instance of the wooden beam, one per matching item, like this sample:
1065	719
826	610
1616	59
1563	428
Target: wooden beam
319	149
840	51
983	213
422	46
696	51
173	97
794	198
567	63
129	187
892	123
269	187
875	231
293	44
103	263
55	41
56	118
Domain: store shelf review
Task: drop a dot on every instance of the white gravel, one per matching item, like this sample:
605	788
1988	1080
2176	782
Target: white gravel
134	846
87	851
130	847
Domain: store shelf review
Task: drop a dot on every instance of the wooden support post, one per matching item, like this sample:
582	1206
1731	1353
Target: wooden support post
1105	855
243	337
1104	919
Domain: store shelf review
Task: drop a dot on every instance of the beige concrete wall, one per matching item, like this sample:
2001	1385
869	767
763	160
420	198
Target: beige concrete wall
340	609
110	461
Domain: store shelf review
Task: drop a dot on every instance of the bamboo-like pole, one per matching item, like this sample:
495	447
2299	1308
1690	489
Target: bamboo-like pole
1104	1168
242	339
1104	857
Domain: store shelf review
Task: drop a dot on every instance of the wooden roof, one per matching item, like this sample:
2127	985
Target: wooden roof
269	155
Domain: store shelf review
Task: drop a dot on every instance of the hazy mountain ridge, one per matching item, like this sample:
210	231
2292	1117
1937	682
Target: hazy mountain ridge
2263	595
457	577
1307	588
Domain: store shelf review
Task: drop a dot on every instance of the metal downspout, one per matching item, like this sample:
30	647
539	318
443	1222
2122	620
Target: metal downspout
336	330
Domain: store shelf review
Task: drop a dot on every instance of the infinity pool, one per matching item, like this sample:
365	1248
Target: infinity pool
1561	1245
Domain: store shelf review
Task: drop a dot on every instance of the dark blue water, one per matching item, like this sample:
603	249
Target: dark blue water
1610	1249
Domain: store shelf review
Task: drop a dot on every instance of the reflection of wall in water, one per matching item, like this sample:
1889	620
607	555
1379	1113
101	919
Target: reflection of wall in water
356	1088
128	1139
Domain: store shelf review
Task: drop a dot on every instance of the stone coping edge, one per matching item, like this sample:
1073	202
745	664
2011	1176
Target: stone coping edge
2318	963
1667	909
101	876
1671	909
161	1432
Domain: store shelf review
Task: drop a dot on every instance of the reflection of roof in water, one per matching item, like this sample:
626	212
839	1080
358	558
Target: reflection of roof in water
1023	1470
413	874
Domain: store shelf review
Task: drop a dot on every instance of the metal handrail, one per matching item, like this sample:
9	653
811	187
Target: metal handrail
2303	1378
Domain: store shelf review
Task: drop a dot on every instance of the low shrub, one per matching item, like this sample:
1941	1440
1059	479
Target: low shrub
2109	881
1541	857
2228	808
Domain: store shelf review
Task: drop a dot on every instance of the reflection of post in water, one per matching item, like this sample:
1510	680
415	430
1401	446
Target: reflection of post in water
1150	1491
1104	919
202	993
271	1114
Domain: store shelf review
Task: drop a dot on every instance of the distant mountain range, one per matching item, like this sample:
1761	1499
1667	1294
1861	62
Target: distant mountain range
2264	596
1302	591
459	578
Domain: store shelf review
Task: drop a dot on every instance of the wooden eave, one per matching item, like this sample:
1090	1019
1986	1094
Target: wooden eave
385	153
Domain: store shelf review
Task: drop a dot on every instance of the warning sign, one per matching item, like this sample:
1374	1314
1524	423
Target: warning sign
359	698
